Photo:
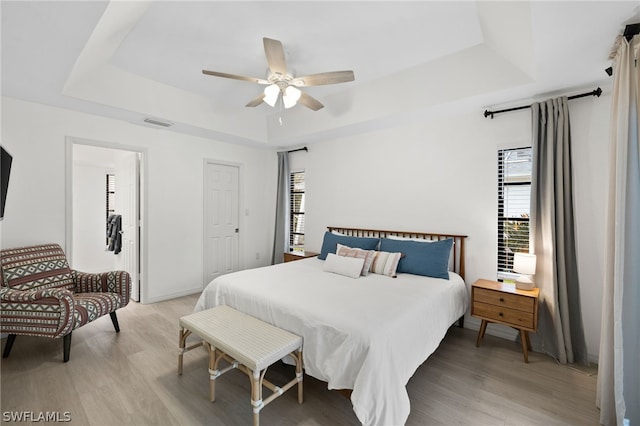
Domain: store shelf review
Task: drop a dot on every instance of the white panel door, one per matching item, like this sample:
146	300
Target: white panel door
221	249
127	205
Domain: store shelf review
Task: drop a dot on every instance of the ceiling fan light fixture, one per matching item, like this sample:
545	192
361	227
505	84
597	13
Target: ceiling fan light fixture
271	93
291	96
279	81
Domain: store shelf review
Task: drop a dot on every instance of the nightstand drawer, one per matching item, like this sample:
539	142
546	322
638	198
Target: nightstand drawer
513	317
498	298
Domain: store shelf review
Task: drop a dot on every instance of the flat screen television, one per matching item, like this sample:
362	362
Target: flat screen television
5	171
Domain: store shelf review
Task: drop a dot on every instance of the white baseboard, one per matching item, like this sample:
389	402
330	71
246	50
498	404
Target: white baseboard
170	296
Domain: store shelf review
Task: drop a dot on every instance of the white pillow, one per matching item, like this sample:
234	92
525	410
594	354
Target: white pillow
347	266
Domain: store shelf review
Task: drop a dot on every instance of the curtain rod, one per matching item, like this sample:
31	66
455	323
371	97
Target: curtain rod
304	148
597	92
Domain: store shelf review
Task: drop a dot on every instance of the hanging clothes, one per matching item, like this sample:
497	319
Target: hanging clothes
114	233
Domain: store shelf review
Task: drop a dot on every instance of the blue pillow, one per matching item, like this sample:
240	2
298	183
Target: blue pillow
430	259
330	243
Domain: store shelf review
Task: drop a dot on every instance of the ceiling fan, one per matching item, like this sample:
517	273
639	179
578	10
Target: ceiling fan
282	84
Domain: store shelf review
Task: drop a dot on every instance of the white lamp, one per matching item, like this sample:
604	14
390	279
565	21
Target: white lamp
525	264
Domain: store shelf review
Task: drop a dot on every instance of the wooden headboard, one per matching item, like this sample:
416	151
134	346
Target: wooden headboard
458	240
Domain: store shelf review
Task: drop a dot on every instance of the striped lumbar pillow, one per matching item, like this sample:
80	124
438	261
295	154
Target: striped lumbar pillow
386	263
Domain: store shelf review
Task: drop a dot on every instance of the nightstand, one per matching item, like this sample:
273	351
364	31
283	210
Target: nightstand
503	303
296	255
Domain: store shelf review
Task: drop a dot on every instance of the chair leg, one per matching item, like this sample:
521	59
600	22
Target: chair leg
7	348
114	320
67	347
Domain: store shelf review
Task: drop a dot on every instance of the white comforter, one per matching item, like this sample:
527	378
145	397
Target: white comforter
368	334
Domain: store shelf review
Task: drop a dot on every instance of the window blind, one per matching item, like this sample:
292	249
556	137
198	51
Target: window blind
296	212
514	193
110	197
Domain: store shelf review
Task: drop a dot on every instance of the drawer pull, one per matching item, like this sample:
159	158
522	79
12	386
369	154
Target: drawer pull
502	299
501	314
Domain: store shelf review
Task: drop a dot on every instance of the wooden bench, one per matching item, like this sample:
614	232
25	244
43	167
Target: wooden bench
247	344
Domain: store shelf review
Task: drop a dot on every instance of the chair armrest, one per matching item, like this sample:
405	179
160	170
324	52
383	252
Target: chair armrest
39	312
118	282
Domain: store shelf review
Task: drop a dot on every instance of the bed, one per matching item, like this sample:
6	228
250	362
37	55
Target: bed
368	334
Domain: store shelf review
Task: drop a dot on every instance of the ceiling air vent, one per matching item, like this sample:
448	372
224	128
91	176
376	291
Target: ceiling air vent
157	122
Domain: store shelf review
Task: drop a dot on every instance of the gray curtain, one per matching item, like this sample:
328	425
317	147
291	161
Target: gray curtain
618	392
560	331
281	233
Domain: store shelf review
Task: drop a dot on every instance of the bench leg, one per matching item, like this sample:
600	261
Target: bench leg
213	367
256	395
299	376
181	339
182	342
181	350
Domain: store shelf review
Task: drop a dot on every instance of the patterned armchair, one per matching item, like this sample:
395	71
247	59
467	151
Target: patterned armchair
41	296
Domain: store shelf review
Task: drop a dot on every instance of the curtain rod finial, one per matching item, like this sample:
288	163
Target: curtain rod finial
304	148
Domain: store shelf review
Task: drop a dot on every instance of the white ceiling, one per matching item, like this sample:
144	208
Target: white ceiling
131	60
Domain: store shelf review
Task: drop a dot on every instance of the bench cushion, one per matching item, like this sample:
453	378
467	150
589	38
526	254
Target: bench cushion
252	342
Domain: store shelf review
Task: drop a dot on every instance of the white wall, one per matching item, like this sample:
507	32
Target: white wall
35	135
433	174
440	175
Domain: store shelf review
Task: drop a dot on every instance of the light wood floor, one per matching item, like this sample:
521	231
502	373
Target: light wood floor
130	379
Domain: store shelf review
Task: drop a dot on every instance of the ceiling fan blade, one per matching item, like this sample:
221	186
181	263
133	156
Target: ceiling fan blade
275	56
257	101
310	102
235	77
323	78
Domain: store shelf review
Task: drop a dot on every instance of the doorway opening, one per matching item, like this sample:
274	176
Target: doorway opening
104	183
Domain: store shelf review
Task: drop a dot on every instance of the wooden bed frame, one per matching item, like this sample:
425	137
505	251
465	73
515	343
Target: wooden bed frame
457	263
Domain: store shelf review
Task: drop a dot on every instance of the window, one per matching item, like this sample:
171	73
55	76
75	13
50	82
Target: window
110	195
514	190
296	212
